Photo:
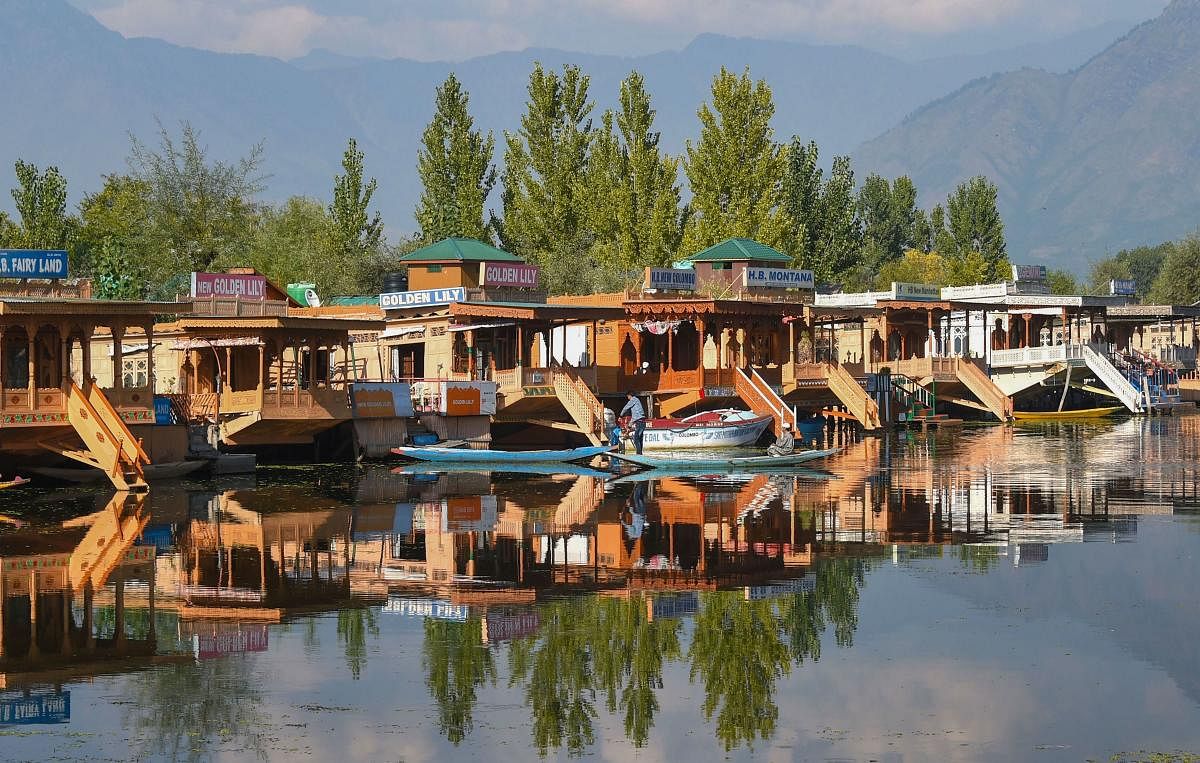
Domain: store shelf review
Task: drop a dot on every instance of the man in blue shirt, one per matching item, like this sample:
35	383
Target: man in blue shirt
637	417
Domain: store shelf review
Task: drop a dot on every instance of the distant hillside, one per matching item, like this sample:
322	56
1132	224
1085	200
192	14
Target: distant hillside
74	90
1088	162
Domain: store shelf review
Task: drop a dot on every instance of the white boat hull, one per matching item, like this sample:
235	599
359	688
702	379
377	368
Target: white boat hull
727	435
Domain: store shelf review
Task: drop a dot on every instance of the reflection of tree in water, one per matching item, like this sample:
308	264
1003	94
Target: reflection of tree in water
353	625
179	712
458	663
979	558
738	653
740	648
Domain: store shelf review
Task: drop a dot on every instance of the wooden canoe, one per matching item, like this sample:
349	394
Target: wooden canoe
465	456
710	465
1083	413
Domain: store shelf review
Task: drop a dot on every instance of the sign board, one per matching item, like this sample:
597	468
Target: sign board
242	286
424	297
163	414
921	292
468	398
671	279
1029	273
33	263
1122	287
463	513
36	708
437	609
502	626
222	639
779	278
515	274
381	400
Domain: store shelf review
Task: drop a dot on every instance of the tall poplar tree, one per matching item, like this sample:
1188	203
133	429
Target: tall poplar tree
735	168
974	226
633	199
889	218
802	202
355	235
41	202
837	244
545	166
456	170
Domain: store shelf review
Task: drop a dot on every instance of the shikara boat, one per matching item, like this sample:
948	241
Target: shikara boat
1083	413
554	469
154	472
710	465
465	456
721	475
14	482
727	428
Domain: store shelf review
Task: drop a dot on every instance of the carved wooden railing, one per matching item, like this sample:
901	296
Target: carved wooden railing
580	402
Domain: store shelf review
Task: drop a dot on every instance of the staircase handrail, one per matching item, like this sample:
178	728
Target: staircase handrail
1114	379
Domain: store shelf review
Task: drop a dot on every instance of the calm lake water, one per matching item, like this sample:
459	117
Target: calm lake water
990	593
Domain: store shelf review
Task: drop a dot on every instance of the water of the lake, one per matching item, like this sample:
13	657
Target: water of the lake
991	593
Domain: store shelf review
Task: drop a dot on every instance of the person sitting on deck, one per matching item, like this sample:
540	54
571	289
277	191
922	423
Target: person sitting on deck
637	418
785	444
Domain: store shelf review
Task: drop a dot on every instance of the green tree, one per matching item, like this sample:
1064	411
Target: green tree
9	232
116	242
456	170
1141	264
1062	282
974	225
293	242
545	167
1178	282
801	202
632	195
355	234
916	266
888	215
200	210
839	238
735	169
41	203
117	273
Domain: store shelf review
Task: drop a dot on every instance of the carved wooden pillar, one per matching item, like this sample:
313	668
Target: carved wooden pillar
118	336
262	374
150	382
31	351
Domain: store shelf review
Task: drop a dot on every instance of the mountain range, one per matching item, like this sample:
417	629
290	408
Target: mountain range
76	91
1087	162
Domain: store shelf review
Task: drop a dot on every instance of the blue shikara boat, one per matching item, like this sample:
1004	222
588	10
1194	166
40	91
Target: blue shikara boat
467	456
709	465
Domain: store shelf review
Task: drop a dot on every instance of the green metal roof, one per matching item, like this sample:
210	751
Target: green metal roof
738	249
460	250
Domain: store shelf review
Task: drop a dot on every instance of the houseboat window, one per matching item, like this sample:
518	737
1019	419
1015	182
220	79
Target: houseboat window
433	268
134	373
16	360
722	266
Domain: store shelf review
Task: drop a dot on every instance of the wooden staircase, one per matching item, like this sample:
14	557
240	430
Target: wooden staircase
762	399
108	443
847	389
672	405
982	386
581	404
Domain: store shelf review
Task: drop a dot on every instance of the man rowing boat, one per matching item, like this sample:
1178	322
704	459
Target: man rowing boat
784	444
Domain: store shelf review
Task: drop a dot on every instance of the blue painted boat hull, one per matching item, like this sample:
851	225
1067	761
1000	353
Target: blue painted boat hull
466	456
712	465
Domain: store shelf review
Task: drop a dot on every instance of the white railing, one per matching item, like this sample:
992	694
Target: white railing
1130	395
1036	356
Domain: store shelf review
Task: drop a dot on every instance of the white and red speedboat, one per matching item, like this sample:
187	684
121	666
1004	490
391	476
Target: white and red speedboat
712	429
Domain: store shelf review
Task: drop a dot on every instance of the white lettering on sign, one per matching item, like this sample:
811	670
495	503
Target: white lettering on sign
916	291
399	299
519	275
671	279
33	263
779	278
243	286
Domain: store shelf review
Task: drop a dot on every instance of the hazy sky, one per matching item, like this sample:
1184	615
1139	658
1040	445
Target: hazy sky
457	29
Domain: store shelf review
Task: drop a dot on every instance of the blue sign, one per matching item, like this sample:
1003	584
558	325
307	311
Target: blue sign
671	279
33	263
1122	287
780	278
437	609
163	414
423	297
36	708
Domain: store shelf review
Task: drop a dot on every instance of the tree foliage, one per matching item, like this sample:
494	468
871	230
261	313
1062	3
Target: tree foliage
356	234
735	167
1141	264
41	203
455	166
545	172
973	224
1178	281
889	219
633	200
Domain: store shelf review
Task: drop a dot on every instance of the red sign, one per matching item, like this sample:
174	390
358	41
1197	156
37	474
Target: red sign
229	285
510	274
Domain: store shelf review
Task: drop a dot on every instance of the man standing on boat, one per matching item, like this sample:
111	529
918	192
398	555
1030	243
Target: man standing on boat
637	419
784	444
